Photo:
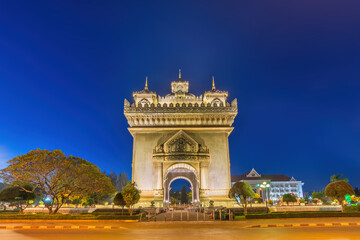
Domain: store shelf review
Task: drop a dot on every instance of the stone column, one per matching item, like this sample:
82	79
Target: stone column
159	175
204	176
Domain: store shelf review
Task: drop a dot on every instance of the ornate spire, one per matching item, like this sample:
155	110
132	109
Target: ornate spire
146	84
213	83
179	74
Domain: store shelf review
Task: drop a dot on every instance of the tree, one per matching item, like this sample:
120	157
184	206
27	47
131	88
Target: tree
119	200
241	191
337	190
76	202
320	195
113	178
357	191
189	197
2	186
15	194
289	197
121	181
131	195
183	195
90	202
338	177
56	177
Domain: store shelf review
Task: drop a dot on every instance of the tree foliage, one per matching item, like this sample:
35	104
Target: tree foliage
131	195
337	190
357	191
121	181
56	177
183	195
319	195
241	192
16	194
289	197
338	177
119	200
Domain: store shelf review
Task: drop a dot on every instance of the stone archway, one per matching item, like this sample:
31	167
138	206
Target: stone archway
181	171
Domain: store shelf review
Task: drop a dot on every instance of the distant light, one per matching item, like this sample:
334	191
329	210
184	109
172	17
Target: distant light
47	199
264	183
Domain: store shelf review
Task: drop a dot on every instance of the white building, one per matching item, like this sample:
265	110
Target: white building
270	186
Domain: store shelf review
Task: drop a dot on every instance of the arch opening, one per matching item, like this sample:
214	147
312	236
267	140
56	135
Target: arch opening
185	172
180	191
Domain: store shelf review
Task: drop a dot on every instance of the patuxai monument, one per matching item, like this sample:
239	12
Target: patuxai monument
181	136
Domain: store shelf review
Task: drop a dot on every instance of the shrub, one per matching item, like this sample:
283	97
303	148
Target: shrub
289	198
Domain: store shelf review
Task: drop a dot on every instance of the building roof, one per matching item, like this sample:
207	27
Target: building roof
249	176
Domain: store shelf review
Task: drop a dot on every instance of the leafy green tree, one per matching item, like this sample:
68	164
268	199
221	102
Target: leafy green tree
76	202
338	177
16	195
241	192
183	195
119	200
56	177
90	202
320	195
289	197
337	190
131	195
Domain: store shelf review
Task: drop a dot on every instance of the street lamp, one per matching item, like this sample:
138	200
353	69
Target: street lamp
265	185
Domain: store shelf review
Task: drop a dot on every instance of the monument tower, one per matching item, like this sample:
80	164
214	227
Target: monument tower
181	136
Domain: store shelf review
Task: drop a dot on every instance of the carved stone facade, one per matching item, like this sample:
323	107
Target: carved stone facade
181	136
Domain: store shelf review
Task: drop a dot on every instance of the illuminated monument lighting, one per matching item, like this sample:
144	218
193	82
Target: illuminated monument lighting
181	136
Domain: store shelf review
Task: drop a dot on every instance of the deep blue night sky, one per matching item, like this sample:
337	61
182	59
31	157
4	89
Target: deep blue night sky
294	66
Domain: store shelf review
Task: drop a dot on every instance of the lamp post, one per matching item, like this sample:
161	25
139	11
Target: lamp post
265	186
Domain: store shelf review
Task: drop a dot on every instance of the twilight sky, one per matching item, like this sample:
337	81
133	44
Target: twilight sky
294	66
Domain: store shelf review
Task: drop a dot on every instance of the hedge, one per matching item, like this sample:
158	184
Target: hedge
60	216
302	215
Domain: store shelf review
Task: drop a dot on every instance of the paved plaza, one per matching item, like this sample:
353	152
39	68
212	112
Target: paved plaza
186	230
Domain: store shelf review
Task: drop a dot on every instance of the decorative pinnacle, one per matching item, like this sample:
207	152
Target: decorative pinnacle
146	83
179	74
213	83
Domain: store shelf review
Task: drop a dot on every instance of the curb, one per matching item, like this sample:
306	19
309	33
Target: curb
305	225
61	227
64	221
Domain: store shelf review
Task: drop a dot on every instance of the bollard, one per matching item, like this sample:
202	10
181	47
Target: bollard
181	215
165	215
155	215
197	215
172	215
213	215
149	216
204	214
220	215
187	215
229	215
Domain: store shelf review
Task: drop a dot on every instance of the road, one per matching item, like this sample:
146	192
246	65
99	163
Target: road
188	231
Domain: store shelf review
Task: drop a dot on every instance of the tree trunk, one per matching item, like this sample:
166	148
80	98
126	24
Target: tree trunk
245	207
50	210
